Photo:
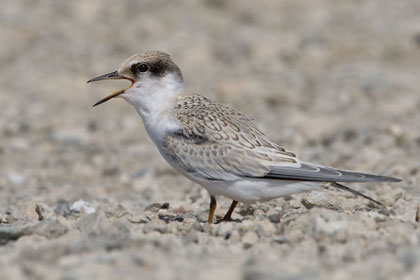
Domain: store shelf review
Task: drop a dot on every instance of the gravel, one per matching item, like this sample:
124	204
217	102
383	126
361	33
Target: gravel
84	194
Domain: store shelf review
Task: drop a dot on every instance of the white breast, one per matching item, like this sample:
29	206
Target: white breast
153	99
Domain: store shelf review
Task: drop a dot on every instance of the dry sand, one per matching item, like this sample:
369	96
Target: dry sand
335	81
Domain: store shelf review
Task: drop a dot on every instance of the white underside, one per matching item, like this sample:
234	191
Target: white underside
253	190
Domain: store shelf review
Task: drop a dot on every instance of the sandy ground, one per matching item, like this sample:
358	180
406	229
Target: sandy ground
335	81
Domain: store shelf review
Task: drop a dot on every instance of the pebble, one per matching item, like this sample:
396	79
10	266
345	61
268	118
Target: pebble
139	219
249	239
82	206
246	210
63	209
224	229
49	228
44	212
332	78
16	178
155	207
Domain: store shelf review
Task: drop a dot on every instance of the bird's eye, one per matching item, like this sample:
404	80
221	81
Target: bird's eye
139	68
143	67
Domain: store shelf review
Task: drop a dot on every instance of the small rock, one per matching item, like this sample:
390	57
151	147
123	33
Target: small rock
197	226
319	199
234	237
275	217
155	207
202	216
92	126
6	219
386	212
43	211
259	214
295	204
111	171
166	218
308	205
94	225
281	239
249	239
63	209
3	218
9	234
179	219
49	228
82	206
156	227
139	219
246	210
165	205
329	226
268	227
24	212
260	231
224	229
181	210
67	137
410	257
191	237
395	130
140	173
15	178
19	145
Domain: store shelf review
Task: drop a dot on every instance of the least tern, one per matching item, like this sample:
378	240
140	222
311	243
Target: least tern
215	146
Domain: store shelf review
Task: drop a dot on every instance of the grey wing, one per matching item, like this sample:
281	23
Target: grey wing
202	158
220	143
311	172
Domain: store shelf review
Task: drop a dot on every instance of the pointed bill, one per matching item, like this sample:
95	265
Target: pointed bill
111	76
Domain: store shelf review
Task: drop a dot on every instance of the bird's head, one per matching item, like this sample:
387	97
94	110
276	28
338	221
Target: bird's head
149	73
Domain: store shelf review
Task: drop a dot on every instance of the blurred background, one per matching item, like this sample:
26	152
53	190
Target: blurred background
337	82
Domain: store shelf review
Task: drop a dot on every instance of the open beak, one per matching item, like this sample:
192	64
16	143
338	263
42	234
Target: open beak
111	76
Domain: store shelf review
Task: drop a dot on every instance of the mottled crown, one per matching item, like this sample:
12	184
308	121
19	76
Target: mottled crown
159	64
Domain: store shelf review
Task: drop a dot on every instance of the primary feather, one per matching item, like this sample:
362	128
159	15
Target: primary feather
312	172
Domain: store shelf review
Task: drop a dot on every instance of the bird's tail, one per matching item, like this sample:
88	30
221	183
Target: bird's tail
340	186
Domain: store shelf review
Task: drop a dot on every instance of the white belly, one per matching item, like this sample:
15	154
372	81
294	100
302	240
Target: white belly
253	190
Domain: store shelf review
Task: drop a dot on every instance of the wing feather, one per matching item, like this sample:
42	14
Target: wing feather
218	143
312	172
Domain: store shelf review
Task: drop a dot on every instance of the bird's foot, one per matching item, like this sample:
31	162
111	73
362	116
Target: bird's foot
228	219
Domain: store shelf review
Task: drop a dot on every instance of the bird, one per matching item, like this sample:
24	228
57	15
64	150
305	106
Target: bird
215	146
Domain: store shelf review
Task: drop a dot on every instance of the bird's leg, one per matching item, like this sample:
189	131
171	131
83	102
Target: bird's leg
212	208
228	215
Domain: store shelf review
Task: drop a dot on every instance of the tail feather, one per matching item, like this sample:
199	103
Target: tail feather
340	186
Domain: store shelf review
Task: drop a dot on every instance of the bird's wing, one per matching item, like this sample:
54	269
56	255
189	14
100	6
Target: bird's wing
218	143
312	172
202	158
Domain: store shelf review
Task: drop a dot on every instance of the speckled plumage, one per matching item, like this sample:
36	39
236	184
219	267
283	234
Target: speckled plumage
213	145
217	142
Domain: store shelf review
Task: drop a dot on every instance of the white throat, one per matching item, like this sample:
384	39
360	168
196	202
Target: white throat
153	97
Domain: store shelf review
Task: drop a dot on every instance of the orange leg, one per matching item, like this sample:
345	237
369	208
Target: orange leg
212	209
